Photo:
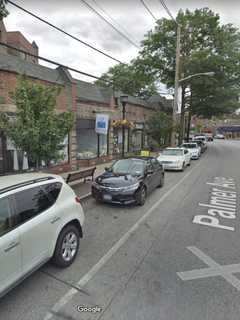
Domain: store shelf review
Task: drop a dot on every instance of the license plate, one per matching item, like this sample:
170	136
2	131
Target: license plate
107	197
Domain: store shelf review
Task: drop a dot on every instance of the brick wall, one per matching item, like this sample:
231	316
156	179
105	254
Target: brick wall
66	101
16	39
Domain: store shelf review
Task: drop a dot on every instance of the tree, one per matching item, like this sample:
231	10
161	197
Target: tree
129	79
38	129
159	127
206	45
3	11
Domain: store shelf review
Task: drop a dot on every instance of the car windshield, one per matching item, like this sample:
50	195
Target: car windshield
172	152
189	145
128	166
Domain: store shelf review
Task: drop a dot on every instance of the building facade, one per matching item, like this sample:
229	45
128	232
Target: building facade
83	146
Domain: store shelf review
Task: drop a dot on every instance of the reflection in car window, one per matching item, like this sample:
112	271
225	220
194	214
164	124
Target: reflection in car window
30	203
128	166
172	152
4	216
52	190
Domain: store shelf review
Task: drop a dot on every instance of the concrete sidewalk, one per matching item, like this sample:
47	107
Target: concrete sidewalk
83	189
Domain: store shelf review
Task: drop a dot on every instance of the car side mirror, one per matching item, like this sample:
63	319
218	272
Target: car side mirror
107	169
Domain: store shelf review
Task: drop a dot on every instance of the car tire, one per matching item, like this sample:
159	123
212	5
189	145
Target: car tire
141	196
161	184
64	255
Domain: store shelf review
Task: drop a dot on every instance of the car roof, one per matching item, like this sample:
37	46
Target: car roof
14	181
178	148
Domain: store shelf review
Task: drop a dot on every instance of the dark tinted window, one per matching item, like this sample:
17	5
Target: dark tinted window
30	203
52	190
4	216
156	164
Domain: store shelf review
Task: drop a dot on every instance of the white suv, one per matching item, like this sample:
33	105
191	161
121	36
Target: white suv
40	218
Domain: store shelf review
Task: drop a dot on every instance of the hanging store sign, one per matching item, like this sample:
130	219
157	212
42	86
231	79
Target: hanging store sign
101	125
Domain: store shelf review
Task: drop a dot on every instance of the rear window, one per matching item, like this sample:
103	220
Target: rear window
52	190
30	203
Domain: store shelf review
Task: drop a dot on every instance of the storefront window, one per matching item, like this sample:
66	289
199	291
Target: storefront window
137	140
117	139
89	144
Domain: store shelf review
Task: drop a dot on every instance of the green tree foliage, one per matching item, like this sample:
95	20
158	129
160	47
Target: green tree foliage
206	46
3	11
38	129
129	79
159	127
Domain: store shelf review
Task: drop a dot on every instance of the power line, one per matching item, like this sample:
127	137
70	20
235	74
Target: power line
110	24
113	20
52	62
66	33
149	11
168	11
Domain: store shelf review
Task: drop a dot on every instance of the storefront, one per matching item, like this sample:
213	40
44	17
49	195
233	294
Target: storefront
137	138
118	140
90	145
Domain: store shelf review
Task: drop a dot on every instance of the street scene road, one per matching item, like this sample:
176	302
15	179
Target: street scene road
150	262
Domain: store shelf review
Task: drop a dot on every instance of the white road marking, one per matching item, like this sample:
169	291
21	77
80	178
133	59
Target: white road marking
214	270
92	272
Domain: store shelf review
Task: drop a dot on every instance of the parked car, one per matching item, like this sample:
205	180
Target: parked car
193	148
175	158
40	219
219	136
129	181
202	137
202	145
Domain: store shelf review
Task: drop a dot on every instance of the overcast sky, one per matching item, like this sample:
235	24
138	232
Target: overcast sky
74	17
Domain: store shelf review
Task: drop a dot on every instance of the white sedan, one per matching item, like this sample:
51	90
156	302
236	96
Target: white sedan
175	158
193	148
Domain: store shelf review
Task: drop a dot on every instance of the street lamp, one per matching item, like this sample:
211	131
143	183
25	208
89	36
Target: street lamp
123	100
210	74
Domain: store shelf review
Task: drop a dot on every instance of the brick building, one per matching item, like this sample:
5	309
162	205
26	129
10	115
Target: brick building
84	146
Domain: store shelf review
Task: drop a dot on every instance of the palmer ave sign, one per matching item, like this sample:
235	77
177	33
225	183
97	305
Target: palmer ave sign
222	207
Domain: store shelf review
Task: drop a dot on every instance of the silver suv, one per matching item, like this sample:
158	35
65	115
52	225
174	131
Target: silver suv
40	219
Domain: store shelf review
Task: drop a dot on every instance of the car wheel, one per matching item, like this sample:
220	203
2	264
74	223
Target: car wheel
141	196
67	247
161	184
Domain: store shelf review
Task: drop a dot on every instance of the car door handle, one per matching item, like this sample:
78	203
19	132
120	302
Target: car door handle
55	219
11	246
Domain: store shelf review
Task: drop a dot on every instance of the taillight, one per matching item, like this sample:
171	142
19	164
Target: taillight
78	199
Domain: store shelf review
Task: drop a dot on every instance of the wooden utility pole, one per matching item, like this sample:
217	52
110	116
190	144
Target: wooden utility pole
175	106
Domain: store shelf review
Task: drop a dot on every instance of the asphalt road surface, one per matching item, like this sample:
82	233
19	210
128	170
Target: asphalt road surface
150	262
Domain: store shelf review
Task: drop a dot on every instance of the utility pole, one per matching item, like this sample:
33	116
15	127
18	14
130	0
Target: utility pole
175	106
